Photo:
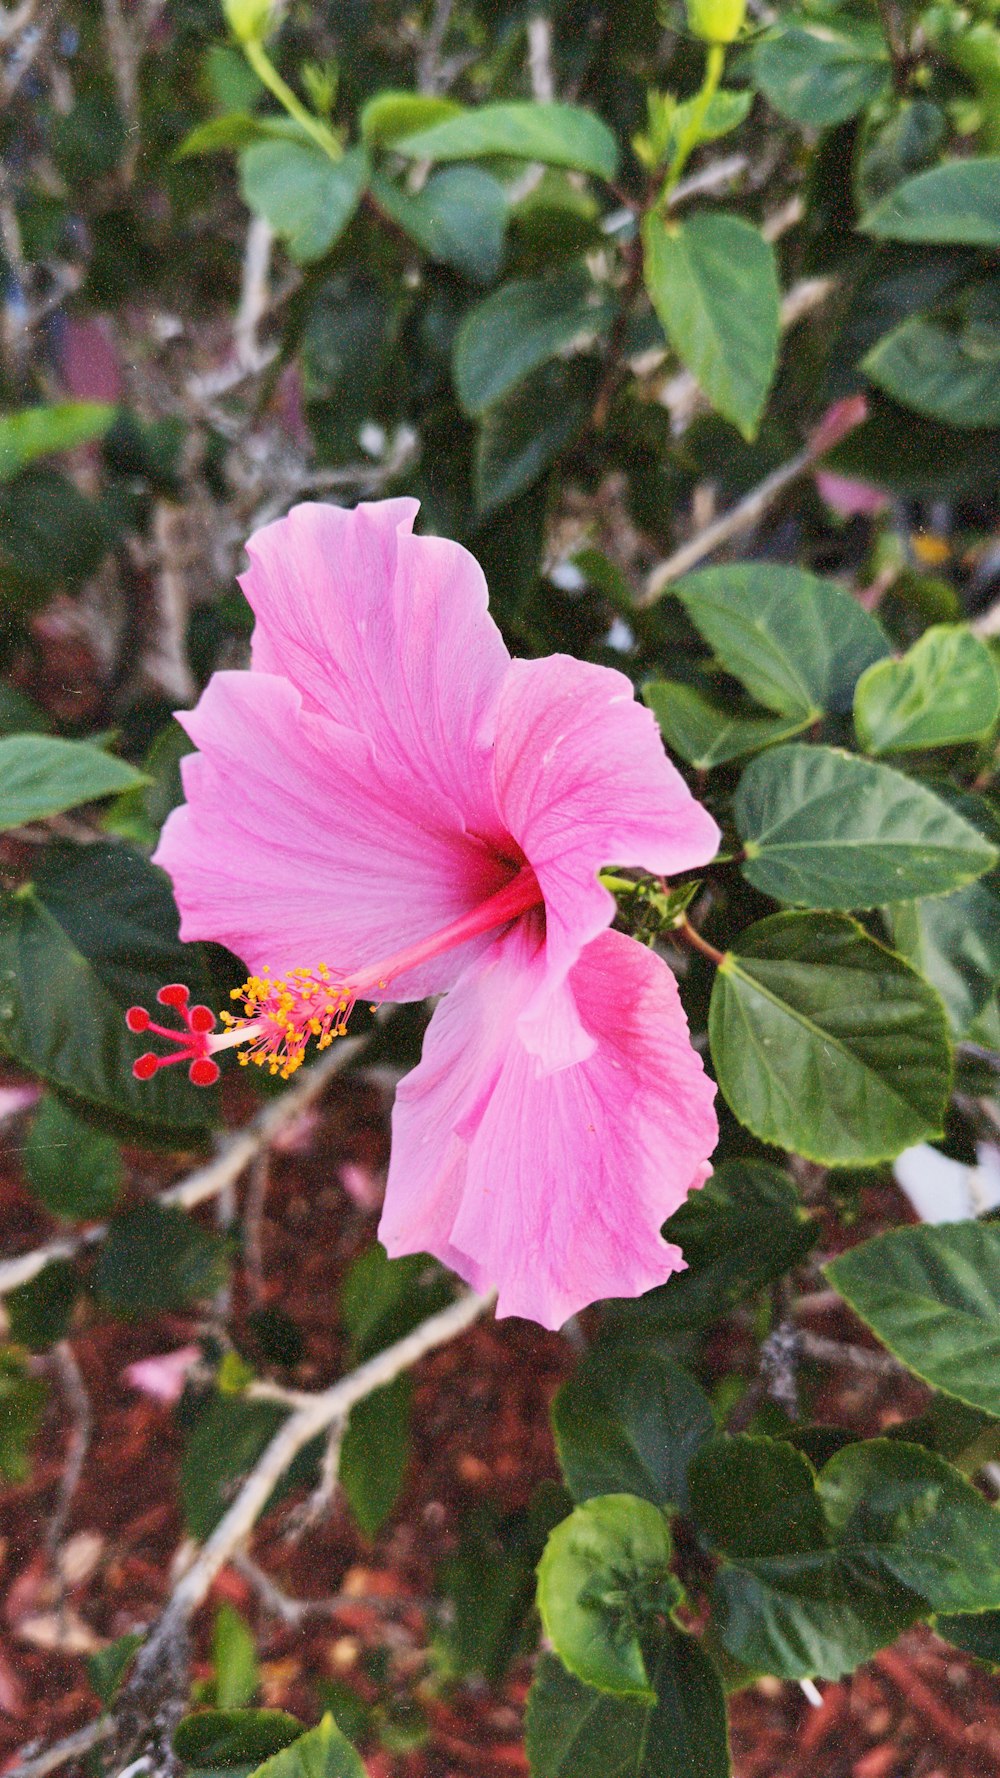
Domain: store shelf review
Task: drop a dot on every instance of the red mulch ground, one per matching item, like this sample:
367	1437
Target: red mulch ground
920	1710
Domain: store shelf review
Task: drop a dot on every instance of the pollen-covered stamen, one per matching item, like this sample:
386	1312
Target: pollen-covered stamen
282	1017
192	1041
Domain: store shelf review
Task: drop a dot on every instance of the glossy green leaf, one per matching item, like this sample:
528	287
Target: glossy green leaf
382	1299
518	328
107	1667
95	932
629	1422
234	1659
391	115
828	1044
707	734
488	1585
73	1170
798	644
977	1634
40	1311
458	217
375	1453
946	368
818	75
824	829
957	203
574	1731
41	776
742	1229
604	1569
156	1259
819	1572
954	940
322	1753
51	536
558	135
211	1738
520	437
713	282
944	690
932	1295
307	198
33	432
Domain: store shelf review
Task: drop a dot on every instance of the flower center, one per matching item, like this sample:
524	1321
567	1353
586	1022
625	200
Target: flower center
281	1017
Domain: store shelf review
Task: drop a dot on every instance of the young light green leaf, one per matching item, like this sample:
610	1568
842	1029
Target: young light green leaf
307	198
518	328
41	775
713	282
72	1169
708	734
957	204
825	829
22	1398
458	218
558	135
932	1295
944	690
629	1422
574	1731
604	1569
322	1753
33	432
391	115
828	1044
796	643
815	74
234	1658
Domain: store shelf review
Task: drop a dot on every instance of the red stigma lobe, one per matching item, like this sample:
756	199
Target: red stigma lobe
191	1039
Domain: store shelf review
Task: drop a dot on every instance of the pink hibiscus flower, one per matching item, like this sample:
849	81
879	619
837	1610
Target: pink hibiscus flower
387	805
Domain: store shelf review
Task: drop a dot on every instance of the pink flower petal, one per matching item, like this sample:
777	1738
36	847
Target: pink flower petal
164	1376
583	782
300	845
389	634
551	1185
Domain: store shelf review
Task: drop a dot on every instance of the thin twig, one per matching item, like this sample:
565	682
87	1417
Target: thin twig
859	1358
72	1747
64	1363
314	1509
205	1182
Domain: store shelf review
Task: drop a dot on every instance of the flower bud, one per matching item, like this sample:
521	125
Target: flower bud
717	21
251	20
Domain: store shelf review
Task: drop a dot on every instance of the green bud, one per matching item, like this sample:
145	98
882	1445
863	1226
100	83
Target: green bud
717	21
251	21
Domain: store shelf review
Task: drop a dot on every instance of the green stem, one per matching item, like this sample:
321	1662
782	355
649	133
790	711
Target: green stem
714	64
268	74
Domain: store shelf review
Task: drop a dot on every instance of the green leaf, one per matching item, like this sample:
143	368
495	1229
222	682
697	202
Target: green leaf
945	690
946	367
73	1170
489	1586
954	941
629	1422
19	714
22	1398
977	1634
713	282
707	734
211	1738
228	1436
604	1570
744	1228
825	829
521	436
155	1259
322	1753
37	431
932	1295
828	1044
234	1658
40	1311
518	328
382	1299
559	135
957	203
306	197
93	934
458	218
574	1731
107	1667
391	115
798	644
42	776
819	1572
375	1453
818	75
51	536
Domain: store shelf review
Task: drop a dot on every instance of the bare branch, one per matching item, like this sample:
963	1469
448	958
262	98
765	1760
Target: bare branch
64	1362
72	1747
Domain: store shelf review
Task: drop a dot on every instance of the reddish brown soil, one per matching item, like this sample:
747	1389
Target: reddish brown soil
920	1710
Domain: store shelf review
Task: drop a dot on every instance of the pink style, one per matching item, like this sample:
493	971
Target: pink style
388	805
